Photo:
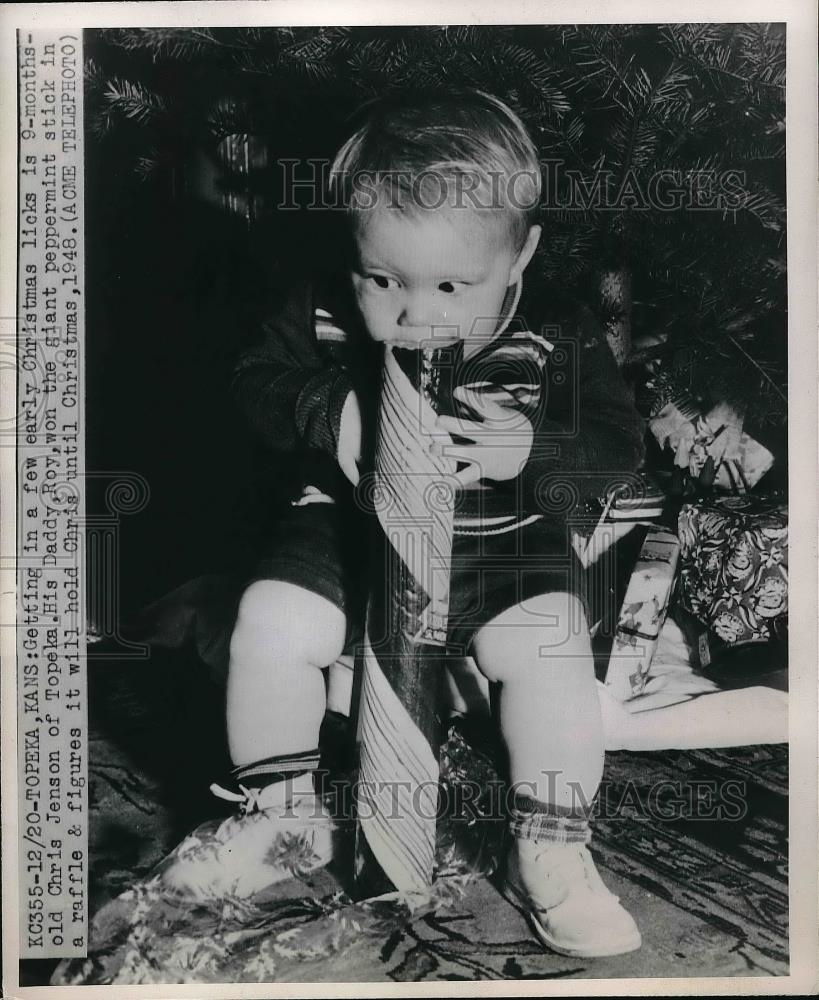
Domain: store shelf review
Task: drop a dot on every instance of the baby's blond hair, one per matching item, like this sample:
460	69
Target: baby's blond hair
466	149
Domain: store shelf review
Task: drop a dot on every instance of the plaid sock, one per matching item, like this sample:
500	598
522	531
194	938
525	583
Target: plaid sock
531	819
261	773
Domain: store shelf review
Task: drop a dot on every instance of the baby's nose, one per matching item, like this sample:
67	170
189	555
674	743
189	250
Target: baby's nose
419	310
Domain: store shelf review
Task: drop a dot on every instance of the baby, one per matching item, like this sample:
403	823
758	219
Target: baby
441	198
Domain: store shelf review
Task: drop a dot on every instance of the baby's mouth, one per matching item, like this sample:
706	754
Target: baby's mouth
422	344
406	345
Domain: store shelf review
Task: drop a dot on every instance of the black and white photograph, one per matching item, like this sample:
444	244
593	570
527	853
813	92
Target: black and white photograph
400	419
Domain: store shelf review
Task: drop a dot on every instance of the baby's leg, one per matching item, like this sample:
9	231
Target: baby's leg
284	636
540	653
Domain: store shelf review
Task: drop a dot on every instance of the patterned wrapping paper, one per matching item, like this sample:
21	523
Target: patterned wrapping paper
734	565
673	413
642	614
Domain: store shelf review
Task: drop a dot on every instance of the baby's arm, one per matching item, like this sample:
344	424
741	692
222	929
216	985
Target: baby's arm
291	394
584	428
602	435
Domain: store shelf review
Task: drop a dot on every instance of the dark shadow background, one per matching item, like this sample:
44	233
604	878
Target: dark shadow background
177	283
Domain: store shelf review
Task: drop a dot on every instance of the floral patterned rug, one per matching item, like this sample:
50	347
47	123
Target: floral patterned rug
694	842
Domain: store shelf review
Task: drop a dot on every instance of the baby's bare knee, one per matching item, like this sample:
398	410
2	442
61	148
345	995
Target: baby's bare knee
549	631
281	620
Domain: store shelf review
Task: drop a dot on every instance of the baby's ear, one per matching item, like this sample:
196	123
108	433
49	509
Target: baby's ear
526	254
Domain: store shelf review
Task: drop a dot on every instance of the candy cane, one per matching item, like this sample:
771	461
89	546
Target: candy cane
405	640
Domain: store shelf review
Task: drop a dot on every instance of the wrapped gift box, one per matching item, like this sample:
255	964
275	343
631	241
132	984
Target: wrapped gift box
737	664
734	565
743	463
642	614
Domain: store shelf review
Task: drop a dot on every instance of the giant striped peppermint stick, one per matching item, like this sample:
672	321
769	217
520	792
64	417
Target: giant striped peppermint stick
405	640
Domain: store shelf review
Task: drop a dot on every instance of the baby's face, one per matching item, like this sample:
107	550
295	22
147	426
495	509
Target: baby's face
438	276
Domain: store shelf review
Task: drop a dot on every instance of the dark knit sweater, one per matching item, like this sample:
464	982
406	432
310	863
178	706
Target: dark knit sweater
312	352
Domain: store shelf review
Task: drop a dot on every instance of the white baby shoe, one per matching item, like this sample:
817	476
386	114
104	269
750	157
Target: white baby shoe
569	906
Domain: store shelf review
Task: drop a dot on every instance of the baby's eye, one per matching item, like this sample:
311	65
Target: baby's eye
382	281
450	287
